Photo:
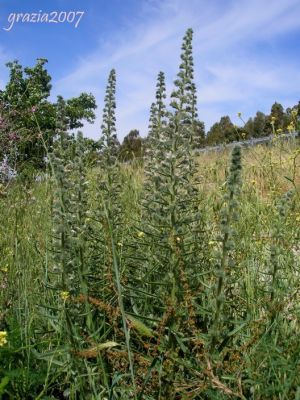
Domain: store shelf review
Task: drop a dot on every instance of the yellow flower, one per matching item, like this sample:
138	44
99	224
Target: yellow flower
178	239
3	338
141	234
294	113
64	295
211	243
253	182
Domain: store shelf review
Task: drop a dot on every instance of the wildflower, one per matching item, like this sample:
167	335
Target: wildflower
33	109
3	338
141	234
279	130
178	239
253	182
273	119
4	269
294	113
64	295
13	136
211	243
120	244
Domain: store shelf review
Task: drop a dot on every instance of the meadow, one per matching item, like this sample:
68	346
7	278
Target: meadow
146	281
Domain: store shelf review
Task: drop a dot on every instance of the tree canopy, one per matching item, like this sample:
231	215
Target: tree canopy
28	118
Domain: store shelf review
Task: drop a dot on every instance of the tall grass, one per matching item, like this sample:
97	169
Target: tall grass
104	296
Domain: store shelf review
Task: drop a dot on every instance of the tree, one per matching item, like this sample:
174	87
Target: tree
259	124
249	128
222	132
214	135
276	120
80	108
132	146
27	114
278	113
293	118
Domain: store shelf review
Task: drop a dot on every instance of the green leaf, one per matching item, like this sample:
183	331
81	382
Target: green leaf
140	327
4	382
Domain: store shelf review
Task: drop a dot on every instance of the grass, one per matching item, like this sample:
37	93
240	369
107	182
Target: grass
91	314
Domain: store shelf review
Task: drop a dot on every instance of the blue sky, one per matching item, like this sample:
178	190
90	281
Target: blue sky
246	52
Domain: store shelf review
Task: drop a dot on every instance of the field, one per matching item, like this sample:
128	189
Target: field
118	284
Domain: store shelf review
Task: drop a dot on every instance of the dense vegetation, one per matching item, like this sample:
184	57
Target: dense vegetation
172	278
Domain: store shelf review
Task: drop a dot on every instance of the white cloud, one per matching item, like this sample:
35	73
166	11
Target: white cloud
229	71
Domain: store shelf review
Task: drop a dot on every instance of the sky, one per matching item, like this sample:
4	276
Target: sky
246	52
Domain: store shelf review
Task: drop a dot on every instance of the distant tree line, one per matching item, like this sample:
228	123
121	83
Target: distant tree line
279	121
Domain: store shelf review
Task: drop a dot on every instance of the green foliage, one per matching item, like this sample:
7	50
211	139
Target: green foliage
132	146
80	108
29	118
66	335
259	124
222	132
171	280
226	262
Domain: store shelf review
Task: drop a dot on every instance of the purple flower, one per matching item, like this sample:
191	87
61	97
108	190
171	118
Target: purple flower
2	123
13	136
33	109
